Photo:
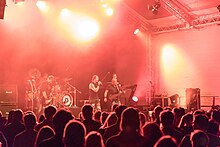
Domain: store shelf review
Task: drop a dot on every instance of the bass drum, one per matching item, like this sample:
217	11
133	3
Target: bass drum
66	99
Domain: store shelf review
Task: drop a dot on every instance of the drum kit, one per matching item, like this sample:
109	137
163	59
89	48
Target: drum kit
62	93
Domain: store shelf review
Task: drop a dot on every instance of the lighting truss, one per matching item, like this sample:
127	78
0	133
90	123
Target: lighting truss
177	9
200	22
182	12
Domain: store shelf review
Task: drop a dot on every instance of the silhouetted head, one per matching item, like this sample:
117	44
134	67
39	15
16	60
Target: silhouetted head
152	132
74	134
111	119
11	116
87	111
18	115
114	107
216	115
130	120
167	118
60	120
41	118
166	141
199	139
201	122
213	127
49	112
94	139
44	133
119	111
29	121
157	111
97	115
104	117
142	118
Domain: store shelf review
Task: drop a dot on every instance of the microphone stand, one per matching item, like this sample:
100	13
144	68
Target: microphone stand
105	76
75	90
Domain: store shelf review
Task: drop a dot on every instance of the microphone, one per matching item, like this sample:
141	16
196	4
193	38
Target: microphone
100	83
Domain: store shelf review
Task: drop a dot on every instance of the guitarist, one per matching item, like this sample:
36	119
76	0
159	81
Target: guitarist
47	90
113	92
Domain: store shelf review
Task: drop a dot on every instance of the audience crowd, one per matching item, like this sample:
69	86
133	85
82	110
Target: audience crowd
123	127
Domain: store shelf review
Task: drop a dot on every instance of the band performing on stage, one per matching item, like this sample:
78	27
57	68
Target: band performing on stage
42	91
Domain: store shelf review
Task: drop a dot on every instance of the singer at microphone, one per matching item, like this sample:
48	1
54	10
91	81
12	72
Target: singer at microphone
94	87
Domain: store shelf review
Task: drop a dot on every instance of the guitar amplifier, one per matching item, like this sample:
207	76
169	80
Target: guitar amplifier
8	94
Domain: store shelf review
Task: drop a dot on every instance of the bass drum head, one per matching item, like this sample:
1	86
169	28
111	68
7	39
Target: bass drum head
67	100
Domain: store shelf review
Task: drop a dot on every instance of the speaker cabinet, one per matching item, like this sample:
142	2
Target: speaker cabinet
8	94
192	98
6	108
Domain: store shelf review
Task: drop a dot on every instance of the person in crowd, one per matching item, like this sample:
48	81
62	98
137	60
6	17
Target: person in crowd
178	115
10	117
142	118
74	134
199	138
44	133
3	121
15	127
111	120
129	135
89	122
216	115
114	107
97	116
166	141
41	118
27	137
103	117
114	129
186	123
200	122
61	118
213	133
152	133
167	120
49	112
94	139
156	114
3	140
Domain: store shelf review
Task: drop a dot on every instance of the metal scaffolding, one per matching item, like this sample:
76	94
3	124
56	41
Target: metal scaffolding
189	21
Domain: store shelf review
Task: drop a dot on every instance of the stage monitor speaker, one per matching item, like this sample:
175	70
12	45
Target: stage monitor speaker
192	98
8	94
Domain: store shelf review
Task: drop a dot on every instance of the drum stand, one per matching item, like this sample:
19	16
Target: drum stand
75	90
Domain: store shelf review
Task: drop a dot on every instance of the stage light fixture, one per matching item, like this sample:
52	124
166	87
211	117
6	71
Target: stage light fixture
2	8
136	31
135	99
173	100
154	8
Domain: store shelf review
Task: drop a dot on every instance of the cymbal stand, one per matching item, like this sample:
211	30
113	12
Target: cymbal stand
75	90
33	95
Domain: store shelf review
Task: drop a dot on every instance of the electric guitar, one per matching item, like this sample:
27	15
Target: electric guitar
115	96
